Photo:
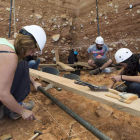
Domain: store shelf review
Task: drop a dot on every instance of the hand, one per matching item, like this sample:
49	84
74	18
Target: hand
116	78
28	115
36	84
110	86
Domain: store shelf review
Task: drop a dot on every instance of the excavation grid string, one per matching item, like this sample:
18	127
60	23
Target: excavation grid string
53	117
75	135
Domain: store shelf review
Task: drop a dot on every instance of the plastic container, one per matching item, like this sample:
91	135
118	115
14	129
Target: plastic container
51	70
71	76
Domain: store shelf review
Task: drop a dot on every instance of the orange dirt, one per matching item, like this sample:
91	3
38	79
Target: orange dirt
120	29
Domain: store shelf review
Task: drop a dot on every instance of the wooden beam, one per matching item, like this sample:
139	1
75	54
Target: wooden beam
69	85
65	67
84	64
47	65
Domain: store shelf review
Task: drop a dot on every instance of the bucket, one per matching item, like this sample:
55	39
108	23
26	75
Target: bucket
71	76
51	70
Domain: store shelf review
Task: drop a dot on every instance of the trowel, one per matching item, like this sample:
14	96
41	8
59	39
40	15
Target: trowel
125	95
49	86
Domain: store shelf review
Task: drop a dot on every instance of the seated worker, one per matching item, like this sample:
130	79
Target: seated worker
15	78
129	72
33	61
99	60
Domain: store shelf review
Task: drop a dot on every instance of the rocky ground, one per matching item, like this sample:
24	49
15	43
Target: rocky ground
72	24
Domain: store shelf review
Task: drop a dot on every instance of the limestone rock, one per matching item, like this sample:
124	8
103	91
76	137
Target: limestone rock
42	59
64	16
38	16
113	135
8	9
47	136
56	37
85	38
104	111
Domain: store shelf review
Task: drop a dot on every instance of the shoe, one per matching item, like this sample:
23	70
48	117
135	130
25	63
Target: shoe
94	72
1	111
16	116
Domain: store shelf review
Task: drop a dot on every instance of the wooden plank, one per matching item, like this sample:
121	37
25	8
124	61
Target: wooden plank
47	65
69	85
65	67
57	57
84	64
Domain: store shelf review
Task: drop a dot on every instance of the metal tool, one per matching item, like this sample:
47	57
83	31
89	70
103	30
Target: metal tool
36	134
92	87
49	86
119	85
119	98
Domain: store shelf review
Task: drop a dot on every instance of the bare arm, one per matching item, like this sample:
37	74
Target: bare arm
34	83
113	82
7	70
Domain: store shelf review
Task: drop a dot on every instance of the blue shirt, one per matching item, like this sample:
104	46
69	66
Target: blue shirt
98	54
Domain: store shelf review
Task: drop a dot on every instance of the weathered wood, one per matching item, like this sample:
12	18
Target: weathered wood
47	65
69	85
84	64
65	67
57	57
6	137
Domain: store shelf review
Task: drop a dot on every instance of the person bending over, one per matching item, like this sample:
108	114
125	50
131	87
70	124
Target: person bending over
129	73
14	72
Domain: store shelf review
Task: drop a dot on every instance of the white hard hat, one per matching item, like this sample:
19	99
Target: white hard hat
122	55
38	33
99	40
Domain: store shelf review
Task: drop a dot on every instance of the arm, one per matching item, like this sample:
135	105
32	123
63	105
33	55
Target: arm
7	70
113	82
34	83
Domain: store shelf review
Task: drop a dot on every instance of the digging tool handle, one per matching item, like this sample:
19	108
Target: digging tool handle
121	100
113	91
112	96
34	136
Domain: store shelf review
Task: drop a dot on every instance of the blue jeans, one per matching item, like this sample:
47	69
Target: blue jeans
34	64
133	87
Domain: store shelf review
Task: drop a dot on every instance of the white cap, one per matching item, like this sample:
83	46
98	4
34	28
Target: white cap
38	33
122	55
99	40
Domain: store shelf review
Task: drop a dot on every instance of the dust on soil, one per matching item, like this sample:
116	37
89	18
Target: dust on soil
120	29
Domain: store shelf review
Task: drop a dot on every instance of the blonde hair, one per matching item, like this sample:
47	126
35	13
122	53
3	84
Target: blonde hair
23	43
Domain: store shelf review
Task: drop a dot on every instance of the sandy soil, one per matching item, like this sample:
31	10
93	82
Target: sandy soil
120	29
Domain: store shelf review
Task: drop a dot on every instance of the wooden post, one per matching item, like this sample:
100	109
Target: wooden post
57	57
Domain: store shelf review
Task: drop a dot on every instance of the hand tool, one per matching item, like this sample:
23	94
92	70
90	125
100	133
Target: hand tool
119	85
49	86
124	95
119	98
36	134
92	87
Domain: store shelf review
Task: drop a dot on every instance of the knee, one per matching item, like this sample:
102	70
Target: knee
90	62
38	60
133	86
32	62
